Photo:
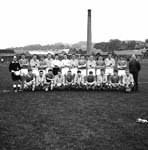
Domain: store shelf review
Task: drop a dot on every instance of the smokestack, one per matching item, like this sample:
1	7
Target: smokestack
89	40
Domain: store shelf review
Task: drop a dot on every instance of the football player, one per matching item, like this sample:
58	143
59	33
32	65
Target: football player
65	64
115	81
90	81
69	80
24	63
74	64
91	65
128	81
100	64
82	64
56	64
110	64
48	61
34	64
29	81
79	81
42	63
59	81
121	65
49	80
40	81
102	82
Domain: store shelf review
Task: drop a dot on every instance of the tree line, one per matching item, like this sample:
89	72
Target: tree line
116	44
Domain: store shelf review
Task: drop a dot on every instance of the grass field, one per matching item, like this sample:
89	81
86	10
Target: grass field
73	120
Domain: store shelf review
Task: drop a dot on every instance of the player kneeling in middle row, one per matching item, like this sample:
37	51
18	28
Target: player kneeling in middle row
79	81
59	81
114	82
49	80
29	81
102	83
90	81
40	81
69	80
128	81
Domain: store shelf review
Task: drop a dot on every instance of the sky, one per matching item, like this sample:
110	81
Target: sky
25	22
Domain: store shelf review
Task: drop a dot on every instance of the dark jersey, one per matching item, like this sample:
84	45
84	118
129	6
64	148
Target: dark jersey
115	79
49	77
15	66
90	78
69	78
29	78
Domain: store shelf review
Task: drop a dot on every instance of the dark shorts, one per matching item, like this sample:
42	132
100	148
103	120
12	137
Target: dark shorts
15	78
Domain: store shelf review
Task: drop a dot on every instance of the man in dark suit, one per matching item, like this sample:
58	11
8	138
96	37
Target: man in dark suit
134	67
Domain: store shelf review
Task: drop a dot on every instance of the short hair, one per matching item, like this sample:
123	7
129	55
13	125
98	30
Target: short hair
69	70
79	71
115	70
49	69
40	71
56	55
29	69
90	72
102	69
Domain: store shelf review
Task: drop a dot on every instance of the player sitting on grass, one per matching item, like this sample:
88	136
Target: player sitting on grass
115	81
128	81
69	80
59	81
90	81
79	81
49	80
40	81
29	81
15	68
102	80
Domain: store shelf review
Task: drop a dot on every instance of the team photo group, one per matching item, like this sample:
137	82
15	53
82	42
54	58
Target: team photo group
74	72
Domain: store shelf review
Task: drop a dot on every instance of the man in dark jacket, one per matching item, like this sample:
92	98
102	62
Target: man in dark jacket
134	67
14	68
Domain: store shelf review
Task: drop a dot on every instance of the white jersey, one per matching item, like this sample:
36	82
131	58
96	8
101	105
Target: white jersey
56	62
91	64
65	63
59	80
121	64
34	63
101	79
110	62
78	79
49	62
40	80
128	79
73	63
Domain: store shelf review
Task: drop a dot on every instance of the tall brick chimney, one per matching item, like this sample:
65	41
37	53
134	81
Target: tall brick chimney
89	40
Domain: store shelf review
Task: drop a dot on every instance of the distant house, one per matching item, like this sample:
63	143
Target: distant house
7	54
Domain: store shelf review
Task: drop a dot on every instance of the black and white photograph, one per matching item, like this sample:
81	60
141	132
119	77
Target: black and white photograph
73	75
